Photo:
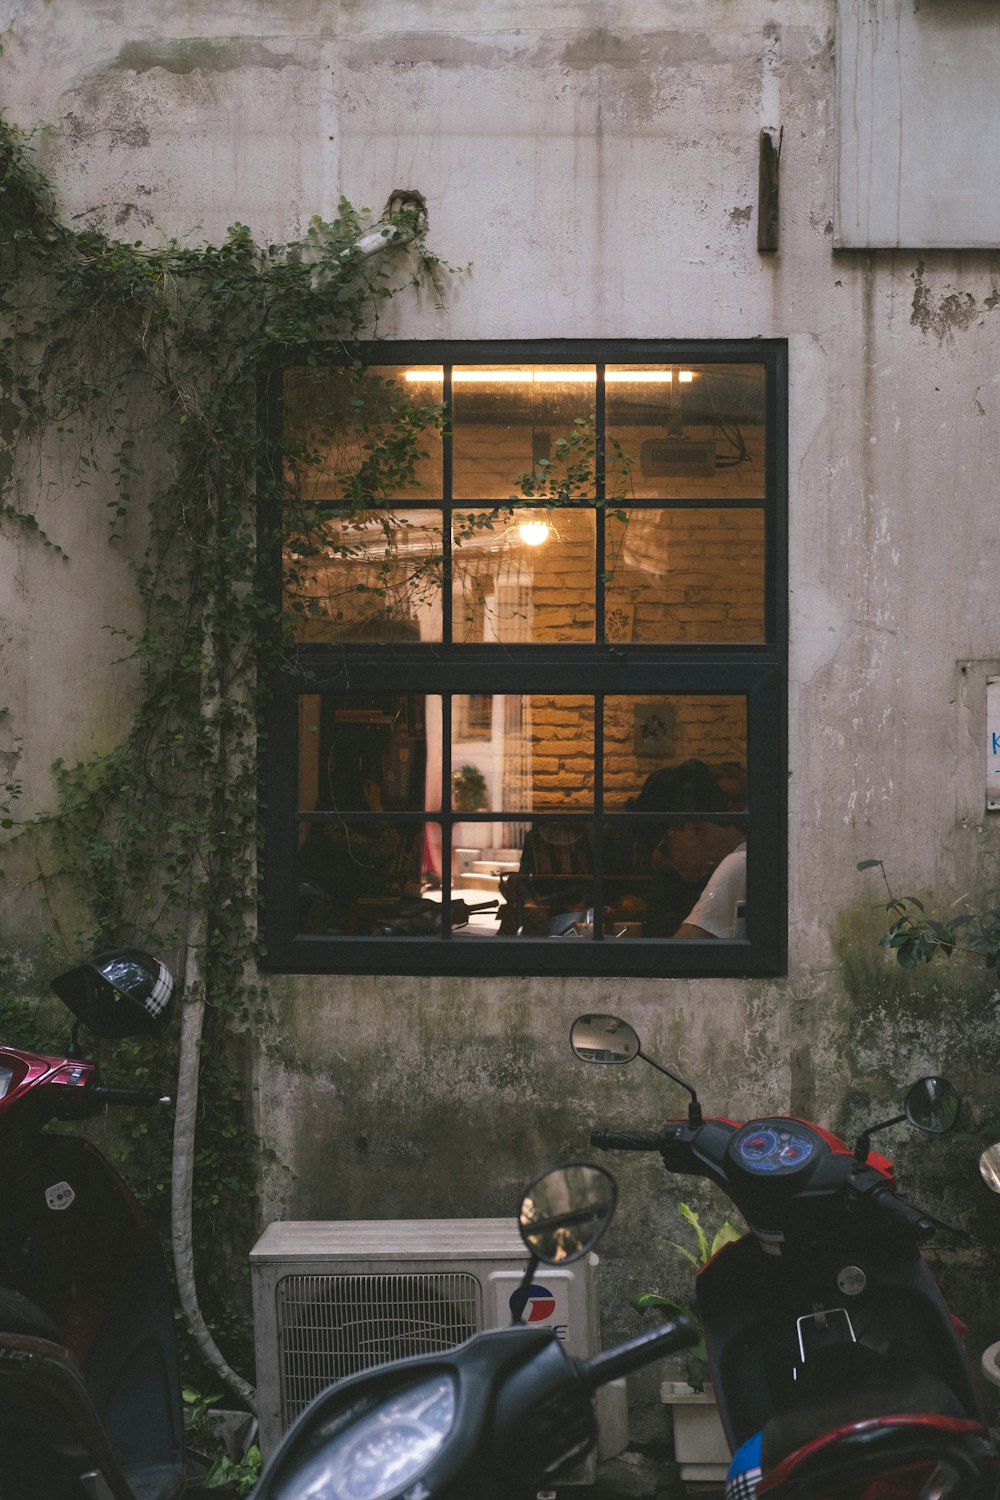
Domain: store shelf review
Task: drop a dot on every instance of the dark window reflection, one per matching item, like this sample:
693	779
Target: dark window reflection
354	875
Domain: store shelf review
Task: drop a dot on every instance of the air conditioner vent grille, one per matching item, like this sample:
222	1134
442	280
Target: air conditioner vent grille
330	1327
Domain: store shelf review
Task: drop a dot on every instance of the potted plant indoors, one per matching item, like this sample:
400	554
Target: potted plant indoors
469	795
468	789
700	1447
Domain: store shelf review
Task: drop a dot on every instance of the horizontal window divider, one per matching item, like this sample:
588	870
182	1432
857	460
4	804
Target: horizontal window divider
453	507
495	957
387	814
739	819
452	661
534	351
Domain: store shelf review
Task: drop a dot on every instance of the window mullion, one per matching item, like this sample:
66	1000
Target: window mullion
447	492
600	496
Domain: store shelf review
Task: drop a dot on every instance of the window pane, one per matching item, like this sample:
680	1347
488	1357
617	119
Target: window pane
686	432
541	755
366	577
527	575
359	876
366	753
680	763
540	872
362	435
538	758
647	738
512	421
644	893
685	575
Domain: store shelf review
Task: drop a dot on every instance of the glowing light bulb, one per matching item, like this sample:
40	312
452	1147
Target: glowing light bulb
533	533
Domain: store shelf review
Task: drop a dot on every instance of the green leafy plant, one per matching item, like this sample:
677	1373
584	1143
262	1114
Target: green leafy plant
238	1475
468	789
204	1434
705	1246
914	938
141	372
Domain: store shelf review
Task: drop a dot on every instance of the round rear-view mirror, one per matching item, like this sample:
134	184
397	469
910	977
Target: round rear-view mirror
932	1104
603	1039
989	1166
565	1211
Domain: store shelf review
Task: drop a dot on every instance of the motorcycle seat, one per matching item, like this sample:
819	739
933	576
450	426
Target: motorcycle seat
19	1316
851	1383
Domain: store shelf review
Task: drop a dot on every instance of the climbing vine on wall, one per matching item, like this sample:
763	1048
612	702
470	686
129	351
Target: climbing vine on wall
135	373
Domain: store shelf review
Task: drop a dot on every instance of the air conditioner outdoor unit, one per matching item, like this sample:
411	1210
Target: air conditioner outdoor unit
333	1298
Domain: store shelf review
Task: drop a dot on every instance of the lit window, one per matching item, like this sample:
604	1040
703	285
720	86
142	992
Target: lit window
534	720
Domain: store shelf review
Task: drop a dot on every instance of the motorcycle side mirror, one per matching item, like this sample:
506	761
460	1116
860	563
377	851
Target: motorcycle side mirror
563	1214
565	1211
603	1038
989	1167
932	1104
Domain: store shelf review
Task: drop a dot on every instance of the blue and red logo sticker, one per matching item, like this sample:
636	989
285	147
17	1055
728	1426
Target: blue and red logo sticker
541	1304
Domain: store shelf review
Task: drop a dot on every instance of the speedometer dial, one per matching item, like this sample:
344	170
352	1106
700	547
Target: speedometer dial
760	1146
769	1147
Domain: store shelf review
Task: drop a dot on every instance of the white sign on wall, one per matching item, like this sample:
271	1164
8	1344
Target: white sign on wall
918	128
993	744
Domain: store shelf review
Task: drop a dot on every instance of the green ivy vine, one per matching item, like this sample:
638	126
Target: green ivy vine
141	368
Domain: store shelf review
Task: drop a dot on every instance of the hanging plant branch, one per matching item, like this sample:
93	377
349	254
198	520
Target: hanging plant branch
140	367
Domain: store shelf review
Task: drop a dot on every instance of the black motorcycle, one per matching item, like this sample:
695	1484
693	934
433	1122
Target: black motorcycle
489	1420
835	1360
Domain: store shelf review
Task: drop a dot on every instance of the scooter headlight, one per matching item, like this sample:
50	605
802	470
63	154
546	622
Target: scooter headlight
378	1456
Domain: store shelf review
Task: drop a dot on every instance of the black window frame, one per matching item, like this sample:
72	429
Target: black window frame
756	670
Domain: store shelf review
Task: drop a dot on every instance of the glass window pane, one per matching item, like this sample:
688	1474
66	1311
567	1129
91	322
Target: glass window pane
647	738
525	575
361	876
540	757
685	575
513	421
366	577
367	753
360	436
540	871
680	763
685	432
644	893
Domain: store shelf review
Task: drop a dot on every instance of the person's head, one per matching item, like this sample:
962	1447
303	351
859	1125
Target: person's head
689	787
732	778
691	849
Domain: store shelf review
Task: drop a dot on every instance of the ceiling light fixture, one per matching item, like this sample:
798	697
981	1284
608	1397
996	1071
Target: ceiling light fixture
534	533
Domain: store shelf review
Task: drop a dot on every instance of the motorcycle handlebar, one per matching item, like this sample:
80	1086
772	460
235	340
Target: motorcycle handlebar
681	1333
626	1140
102	1093
897	1208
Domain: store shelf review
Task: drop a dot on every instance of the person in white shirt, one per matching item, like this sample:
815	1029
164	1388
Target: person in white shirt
694	850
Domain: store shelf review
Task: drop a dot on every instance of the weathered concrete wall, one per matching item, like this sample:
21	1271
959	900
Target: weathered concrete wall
597	165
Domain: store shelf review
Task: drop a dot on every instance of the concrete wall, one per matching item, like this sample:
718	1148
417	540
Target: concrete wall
597	165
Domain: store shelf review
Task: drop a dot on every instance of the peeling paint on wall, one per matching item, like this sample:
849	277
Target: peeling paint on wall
945	313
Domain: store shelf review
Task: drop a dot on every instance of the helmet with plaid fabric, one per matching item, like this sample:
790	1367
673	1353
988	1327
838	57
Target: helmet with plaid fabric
122	993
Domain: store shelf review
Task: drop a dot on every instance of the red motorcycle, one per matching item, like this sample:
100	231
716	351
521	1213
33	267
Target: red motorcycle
837	1367
90	1397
